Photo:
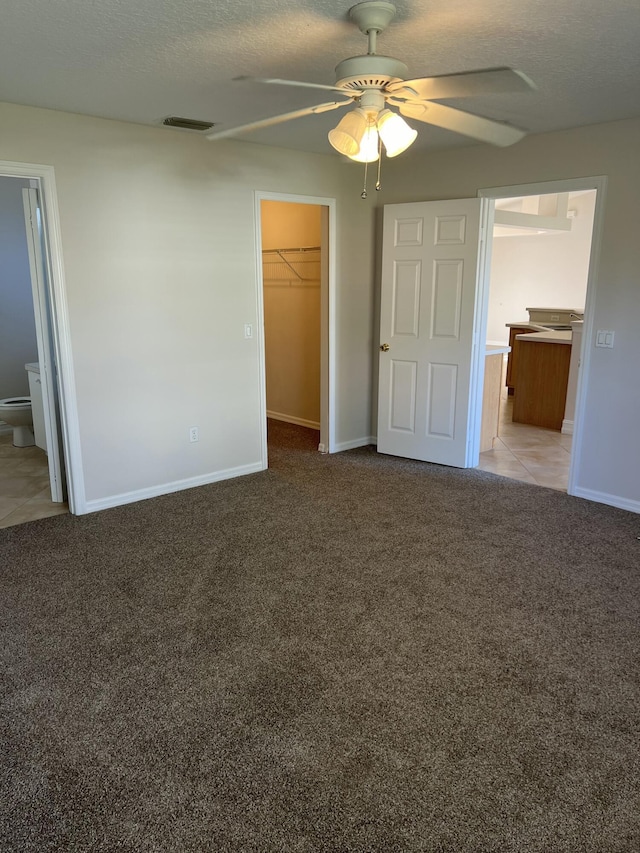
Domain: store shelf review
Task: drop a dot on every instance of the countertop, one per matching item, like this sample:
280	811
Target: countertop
496	349
549	336
527	325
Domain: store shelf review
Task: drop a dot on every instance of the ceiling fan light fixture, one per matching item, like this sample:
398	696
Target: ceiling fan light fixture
369	144
395	133
347	136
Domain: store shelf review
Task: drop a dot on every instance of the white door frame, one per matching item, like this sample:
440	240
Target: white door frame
327	316
59	321
598	183
40	272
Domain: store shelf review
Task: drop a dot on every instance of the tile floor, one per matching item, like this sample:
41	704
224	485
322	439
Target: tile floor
528	453
24	484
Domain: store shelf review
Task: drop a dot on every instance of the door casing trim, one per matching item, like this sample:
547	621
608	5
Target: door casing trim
59	318
327	316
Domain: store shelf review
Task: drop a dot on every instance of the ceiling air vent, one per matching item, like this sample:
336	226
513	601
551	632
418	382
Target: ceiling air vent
187	123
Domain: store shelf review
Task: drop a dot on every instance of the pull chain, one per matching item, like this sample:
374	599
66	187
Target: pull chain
378	184
363	194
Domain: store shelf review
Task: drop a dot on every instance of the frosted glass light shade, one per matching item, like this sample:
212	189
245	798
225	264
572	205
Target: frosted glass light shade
369	146
395	133
346	137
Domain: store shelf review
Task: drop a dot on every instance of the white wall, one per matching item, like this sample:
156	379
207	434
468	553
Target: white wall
17	323
543	270
609	459
158	233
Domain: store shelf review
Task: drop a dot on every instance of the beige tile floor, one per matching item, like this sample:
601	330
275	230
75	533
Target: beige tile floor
528	453
24	484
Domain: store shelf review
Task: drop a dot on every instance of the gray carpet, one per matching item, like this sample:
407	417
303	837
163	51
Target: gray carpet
347	653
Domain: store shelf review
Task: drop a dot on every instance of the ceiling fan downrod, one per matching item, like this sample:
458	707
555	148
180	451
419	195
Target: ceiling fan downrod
372	17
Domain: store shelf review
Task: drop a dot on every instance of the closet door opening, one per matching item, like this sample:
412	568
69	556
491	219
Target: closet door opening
296	329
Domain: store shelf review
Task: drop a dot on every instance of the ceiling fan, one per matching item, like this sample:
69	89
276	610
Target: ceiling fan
372	83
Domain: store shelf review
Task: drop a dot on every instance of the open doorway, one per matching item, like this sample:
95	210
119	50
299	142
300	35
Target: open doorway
31	463
433	325
540	261
295	307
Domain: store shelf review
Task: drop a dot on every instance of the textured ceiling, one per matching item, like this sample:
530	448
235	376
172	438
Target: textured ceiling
142	60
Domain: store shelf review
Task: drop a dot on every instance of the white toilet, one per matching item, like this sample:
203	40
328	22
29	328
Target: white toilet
16	411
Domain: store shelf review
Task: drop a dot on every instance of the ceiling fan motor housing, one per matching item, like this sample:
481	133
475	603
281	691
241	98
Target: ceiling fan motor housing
369	72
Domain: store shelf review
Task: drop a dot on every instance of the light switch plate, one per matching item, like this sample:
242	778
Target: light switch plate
604	338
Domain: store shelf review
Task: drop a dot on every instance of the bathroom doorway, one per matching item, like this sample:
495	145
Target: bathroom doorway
34	477
295	315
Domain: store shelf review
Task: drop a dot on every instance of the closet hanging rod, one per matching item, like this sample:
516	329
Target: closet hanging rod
303	249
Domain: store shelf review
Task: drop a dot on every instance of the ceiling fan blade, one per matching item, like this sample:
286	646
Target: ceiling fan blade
268	122
466	84
279	82
484	129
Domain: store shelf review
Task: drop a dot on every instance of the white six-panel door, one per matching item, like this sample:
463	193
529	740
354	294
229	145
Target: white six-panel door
427	321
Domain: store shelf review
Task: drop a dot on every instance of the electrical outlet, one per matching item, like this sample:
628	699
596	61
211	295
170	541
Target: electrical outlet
193	434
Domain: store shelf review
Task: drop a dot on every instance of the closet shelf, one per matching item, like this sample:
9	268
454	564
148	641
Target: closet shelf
292	266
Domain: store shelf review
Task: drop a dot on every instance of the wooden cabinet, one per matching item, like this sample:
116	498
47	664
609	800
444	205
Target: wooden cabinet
541	391
511	363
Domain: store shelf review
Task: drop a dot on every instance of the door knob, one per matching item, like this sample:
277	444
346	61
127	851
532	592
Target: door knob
384	347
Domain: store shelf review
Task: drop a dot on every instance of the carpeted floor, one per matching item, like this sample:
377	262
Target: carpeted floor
346	653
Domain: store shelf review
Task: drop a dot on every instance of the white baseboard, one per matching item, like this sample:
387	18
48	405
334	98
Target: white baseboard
292	419
567	427
169	488
356	442
610	500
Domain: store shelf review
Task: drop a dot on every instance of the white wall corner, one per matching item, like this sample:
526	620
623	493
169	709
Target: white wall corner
356	442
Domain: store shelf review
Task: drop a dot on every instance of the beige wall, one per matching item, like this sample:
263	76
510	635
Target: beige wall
159	242
544	270
292	315
609	457
288	224
158	232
